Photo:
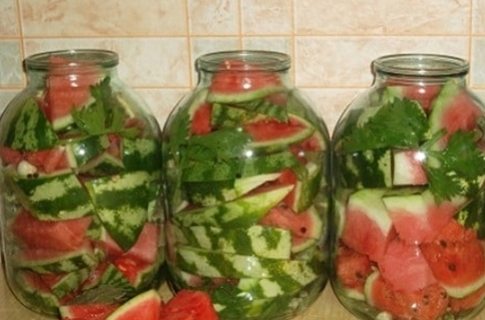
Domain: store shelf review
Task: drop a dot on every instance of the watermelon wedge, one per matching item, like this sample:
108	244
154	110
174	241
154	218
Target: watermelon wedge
367	226
146	305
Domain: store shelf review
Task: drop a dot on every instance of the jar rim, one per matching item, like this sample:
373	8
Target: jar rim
262	59
78	58
421	65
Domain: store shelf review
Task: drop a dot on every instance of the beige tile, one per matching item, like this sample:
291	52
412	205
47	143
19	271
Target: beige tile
9	24
331	103
6	96
281	44
266	17
213	17
203	45
477	63
11	73
161	102
346	61
478	17
411	17
144	62
43	18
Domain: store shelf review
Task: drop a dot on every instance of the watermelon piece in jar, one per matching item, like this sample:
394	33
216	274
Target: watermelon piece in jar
429	303
367	227
457	260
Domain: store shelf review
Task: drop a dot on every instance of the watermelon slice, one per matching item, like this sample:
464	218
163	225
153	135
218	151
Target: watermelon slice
276	135
408	169
146	305
416	216
67	88
367	226
402	262
454	109
304	226
189	304
95	311
456	258
51	235
352	269
427	304
237	81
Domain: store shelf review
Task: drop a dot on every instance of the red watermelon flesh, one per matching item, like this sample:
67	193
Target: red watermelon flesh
429	303
403	262
144	249
68	87
95	311
408	168
457	259
303	225
417	217
189	305
237	76
367	227
50	235
270	129
461	115
146	306
352	268
201	120
39	254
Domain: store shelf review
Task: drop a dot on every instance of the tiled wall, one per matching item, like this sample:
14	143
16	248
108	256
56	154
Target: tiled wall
332	43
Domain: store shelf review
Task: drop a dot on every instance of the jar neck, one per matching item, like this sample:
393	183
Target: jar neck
420	69
243	69
70	65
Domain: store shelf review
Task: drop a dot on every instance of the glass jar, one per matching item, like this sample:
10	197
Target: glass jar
245	170
408	166
80	183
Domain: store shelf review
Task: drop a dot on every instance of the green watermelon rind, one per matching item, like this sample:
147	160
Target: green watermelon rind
30	129
62	263
55	196
214	264
243	96
212	193
69	282
463	291
44	302
265	242
80	151
121	202
283	142
241	212
135	303
440	105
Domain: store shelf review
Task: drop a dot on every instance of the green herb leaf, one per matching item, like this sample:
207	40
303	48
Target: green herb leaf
219	145
400	123
457	169
104	115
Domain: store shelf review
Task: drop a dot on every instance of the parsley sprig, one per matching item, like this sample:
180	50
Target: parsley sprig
104	115
455	170
400	123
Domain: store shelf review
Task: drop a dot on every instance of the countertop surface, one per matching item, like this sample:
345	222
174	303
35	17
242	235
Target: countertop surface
326	307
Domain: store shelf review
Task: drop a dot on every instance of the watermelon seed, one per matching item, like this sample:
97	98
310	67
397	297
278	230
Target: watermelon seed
452	267
303	230
443	243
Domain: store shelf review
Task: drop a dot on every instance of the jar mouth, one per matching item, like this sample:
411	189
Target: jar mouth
71	59
249	60
421	65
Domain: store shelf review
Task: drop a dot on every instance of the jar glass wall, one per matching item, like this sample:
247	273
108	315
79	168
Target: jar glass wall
246	183
409	166
80	184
